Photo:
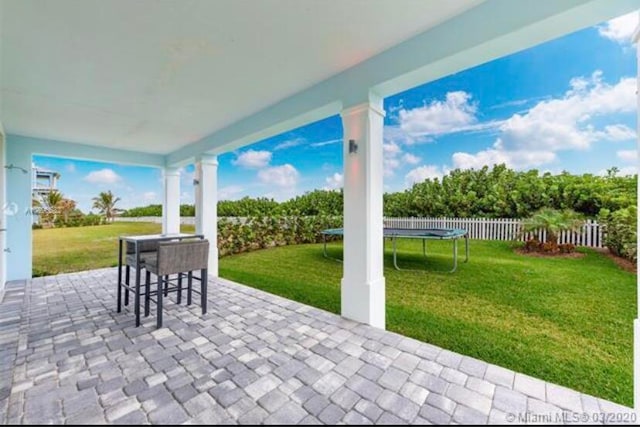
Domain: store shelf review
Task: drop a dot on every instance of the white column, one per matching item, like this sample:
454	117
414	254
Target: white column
363	283
636	322
207	205
171	201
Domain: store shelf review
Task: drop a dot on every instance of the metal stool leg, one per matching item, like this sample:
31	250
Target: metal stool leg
189	286
136	297
120	277
179	288
159	308
203	289
147	293
127	282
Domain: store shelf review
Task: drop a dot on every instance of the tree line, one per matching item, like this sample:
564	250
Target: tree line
497	192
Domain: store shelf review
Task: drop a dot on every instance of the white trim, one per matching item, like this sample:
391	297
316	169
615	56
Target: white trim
365	106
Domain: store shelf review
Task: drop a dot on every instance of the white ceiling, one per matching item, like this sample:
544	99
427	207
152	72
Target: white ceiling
155	75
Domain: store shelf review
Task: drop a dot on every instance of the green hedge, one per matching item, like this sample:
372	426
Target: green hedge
621	231
264	232
497	192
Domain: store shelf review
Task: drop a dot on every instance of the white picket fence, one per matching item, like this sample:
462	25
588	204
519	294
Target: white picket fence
184	220
591	233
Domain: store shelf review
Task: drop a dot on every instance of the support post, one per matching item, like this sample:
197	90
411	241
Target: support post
363	283
171	201
206	186
636	322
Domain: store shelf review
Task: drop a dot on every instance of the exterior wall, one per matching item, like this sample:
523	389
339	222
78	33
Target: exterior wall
20	151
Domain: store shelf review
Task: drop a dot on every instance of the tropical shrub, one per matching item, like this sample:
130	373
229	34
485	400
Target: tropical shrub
621	231
552	222
268	231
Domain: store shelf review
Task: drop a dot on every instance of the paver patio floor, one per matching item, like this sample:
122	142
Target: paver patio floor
66	356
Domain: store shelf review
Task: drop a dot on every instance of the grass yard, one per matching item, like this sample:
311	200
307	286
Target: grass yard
567	321
63	250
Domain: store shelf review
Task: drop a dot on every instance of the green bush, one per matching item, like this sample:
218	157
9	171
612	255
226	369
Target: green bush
621	231
267	231
497	192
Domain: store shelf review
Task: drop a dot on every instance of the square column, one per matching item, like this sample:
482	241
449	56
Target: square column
363	283
206	198
636	321
171	201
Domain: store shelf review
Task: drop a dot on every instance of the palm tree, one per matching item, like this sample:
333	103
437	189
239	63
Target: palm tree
66	206
48	207
554	222
106	204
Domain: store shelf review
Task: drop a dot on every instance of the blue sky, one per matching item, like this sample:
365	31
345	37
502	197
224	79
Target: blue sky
569	104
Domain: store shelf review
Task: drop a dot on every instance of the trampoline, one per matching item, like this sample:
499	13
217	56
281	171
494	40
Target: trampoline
394	234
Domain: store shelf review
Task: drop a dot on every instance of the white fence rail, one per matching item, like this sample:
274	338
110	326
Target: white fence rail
591	234
184	220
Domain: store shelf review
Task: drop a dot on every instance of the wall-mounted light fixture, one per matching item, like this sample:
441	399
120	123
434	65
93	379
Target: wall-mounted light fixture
196	182
353	147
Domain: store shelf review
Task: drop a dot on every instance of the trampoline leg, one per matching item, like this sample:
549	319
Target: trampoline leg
466	247
395	253
324	247
455	255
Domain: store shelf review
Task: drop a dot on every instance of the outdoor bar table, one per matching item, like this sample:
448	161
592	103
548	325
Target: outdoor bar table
137	241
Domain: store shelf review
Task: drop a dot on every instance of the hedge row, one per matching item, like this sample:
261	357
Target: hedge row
265	232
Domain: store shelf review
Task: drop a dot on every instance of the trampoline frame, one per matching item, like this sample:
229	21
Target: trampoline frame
409	233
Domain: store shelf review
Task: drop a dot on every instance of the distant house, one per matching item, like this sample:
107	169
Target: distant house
43	182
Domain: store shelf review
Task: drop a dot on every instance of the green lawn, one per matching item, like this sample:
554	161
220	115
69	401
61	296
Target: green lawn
568	321
63	250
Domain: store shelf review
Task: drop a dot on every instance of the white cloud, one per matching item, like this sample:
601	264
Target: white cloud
70	167
620	29
491	156
186	176
229	192
534	137
627	170
285	176
187	197
394	157
439	117
252	159
323	143
629	156
410	159
334	182
393	133
565	123
456	113
618	132
422	173
149	196
103	176
290	144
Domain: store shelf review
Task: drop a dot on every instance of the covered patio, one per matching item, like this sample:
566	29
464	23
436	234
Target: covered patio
167	84
68	357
